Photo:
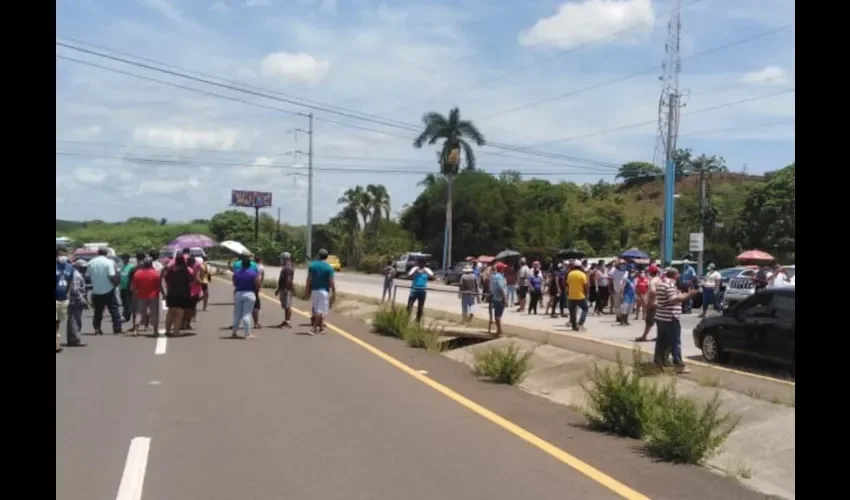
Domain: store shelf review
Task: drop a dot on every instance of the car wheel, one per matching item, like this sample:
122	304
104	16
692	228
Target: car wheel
712	351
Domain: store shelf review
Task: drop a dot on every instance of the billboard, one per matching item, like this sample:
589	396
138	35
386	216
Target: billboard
251	199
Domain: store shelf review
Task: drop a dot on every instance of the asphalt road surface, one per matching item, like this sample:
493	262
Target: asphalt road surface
291	416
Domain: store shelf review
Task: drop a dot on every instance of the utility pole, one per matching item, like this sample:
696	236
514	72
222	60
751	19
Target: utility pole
702	208
670	180
310	190
278	224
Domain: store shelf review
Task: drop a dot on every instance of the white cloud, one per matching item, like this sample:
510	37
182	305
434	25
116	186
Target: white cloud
219	6
300	67
773	75
85	133
182	138
89	175
257	3
577	23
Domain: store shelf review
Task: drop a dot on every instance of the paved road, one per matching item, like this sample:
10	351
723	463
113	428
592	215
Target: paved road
291	416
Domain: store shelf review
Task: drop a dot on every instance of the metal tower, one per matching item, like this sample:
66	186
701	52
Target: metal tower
668	124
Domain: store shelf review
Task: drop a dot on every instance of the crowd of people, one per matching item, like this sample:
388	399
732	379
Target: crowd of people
131	292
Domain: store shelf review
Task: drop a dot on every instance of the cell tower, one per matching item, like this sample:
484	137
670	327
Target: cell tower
668	124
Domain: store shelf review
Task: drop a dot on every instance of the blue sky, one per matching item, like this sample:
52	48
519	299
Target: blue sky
399	59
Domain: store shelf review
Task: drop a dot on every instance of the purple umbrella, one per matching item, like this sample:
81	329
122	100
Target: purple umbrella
192	240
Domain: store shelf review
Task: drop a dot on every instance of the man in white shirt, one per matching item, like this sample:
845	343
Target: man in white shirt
618	277
104	280
710	290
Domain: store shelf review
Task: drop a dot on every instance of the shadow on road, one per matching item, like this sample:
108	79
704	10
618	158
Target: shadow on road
759	367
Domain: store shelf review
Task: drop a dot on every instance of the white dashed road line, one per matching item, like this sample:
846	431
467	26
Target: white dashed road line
161	344
135	467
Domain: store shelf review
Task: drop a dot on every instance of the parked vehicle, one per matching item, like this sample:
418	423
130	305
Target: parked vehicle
742	286
760	326
333	260
453	274
406	261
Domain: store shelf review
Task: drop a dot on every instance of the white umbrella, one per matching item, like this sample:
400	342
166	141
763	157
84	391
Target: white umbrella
235	247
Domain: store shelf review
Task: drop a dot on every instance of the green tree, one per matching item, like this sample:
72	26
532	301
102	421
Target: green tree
232	225
455	135
635	171
378	200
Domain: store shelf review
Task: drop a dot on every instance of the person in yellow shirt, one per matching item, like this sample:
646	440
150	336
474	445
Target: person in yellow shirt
204	278
577	292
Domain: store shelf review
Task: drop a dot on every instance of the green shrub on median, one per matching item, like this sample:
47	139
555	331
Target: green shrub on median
686	431
675	428
424	337
391	321
503	365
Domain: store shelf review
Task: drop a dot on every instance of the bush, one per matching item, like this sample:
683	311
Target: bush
391	321
424	337
506	365
620	401
687	431
372	264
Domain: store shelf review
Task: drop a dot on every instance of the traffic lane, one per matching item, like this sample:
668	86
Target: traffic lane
620	458
369	283
102	402
294	416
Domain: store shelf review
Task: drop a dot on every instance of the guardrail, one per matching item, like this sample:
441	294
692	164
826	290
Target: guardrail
484	296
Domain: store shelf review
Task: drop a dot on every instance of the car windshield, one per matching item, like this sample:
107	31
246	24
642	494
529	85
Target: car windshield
196	252
166	254
730	273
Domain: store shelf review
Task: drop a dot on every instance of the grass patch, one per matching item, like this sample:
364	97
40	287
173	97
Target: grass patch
391	321
424	337
686	431
675	428
503	365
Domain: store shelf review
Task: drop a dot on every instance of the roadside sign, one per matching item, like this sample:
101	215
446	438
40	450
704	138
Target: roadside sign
695	242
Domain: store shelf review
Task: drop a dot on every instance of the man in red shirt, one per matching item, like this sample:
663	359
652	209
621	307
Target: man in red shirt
147	287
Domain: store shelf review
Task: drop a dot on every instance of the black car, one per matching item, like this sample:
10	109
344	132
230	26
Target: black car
761	326
453	275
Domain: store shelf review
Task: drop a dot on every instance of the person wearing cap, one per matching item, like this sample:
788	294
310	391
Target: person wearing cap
522	283
498	294
419	276
320	283
77	302
710	289
285	287
467	290
577	293
668	315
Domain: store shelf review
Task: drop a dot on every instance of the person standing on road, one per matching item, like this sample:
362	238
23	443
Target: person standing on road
204	278
261	271
577	293
124	287
535	287
322	287
688	283
285	286
650	302
195	292
618	277
104	279
601	283
641	289
419	276
389	277
147	290
466	292
511	279
629	297
522	284
246	282
178	296
498	294
710	290
62	291
77	302
668	320
154	255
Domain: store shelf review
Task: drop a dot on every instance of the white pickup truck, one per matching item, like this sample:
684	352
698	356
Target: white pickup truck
405	262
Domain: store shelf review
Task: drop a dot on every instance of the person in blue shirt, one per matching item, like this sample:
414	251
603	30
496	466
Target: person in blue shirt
419	276
688	280
629	297
320	283
535	287
498	294
62	291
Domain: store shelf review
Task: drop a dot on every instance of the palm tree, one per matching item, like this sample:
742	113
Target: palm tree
357	199
455	134
379	204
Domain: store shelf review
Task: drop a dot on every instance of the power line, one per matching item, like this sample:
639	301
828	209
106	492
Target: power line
735	129
486	82
336	168
284	153
635	74
265	94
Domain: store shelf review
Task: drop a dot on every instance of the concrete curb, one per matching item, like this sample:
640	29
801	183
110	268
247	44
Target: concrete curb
751	384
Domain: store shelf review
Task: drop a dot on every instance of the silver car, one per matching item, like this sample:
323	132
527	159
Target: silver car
742	286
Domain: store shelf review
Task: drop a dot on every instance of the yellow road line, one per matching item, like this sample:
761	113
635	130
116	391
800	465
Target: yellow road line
527	436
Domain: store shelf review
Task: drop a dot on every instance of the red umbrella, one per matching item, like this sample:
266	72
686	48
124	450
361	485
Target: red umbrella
756	255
